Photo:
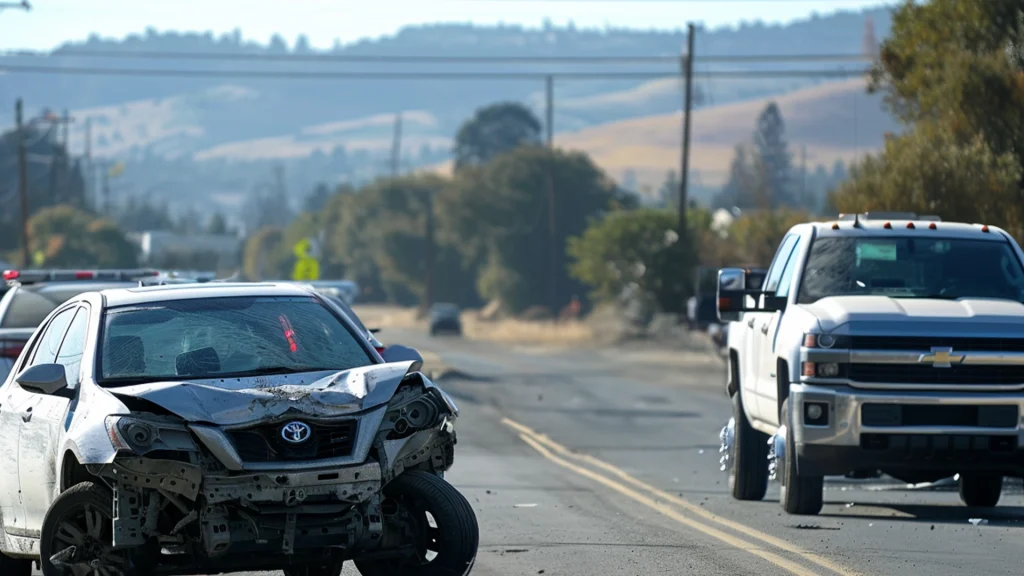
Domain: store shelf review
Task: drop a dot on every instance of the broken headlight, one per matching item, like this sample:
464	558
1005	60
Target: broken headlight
142	435
407	417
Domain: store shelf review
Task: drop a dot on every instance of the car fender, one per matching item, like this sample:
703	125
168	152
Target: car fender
87	436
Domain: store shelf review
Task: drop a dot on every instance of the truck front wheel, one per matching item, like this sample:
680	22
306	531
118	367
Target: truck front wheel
799	494
748	475
980	490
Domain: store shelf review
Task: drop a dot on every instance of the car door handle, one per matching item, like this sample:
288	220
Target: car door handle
27	414
750	323
764	328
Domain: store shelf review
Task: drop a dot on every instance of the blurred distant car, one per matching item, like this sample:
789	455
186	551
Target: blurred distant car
345	289
444	319
30	295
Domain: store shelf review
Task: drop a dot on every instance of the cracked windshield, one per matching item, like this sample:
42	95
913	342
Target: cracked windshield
511	287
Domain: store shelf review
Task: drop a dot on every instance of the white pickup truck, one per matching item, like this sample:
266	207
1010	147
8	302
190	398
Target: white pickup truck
877	342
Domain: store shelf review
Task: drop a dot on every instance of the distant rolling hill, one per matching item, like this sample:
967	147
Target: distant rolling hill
835	121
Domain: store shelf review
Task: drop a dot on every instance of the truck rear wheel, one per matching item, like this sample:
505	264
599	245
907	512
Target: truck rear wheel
799	494
980	490
748	476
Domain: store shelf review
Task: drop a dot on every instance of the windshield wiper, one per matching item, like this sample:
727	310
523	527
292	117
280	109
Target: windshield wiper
272	371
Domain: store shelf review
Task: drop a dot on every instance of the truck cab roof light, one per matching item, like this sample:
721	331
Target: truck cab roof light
835	226
932	226
887	226
910	225
984	228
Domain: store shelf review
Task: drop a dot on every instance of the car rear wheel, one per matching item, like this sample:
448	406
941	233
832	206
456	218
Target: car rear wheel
445	547
980	490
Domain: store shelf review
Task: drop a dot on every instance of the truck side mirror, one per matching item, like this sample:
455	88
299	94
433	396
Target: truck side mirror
732	294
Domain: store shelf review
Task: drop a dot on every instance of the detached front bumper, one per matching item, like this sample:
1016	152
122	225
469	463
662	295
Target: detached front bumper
904	430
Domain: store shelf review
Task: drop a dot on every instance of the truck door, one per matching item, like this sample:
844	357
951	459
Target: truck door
768	337
759	341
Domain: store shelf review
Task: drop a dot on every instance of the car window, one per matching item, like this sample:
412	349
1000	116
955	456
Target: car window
225	337
49	341
930	267
787	273
71	350
779	263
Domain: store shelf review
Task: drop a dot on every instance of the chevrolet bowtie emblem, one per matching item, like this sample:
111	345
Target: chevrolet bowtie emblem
941	357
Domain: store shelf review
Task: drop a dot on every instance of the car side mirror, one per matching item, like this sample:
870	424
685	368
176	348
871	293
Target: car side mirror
43	378
374	330
399	353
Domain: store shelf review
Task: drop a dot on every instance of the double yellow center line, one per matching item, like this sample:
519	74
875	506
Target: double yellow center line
673	507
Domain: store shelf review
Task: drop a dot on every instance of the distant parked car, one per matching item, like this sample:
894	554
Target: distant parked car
444	319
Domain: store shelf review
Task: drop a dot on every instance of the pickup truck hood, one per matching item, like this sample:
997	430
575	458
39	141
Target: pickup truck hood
236	401
879	315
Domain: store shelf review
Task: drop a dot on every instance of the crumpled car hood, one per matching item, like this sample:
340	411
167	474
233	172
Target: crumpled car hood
881	314
234	401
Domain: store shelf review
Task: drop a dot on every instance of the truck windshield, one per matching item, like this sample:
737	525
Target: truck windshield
947	268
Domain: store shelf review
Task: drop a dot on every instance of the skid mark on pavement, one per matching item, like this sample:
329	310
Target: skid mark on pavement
561	455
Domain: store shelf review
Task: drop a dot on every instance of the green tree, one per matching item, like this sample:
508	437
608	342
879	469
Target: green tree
256	264
952	72
217	224
499	216
633	248
493	130
69	237
772	152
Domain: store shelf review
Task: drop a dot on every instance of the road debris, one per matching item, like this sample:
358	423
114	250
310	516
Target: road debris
524	506
978	521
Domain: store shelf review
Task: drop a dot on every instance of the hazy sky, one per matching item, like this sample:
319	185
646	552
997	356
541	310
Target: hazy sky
52	22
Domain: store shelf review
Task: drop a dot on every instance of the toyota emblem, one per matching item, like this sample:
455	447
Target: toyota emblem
296	432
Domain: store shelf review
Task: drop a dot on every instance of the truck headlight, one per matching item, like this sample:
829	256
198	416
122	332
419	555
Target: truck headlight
826	341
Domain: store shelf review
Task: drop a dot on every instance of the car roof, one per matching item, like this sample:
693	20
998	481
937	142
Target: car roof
146	294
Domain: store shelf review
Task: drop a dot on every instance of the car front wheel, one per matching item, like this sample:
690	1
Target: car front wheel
799	493
445	530
78	534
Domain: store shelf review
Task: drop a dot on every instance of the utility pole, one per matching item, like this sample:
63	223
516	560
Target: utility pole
396	147
90	177
430	256
550	110
552	232
803	175
22	183
684	175
66	120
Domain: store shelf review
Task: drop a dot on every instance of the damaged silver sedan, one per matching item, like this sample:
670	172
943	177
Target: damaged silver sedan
210	428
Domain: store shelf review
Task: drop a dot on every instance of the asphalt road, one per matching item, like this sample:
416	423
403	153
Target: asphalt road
590	462
622	462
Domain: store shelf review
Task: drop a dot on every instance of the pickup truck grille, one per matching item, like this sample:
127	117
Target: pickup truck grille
927	374
925	343
265	444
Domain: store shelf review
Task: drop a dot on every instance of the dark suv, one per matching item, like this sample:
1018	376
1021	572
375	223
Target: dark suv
444	319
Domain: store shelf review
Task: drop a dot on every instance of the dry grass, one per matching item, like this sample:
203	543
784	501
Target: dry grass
515	331
835	121
508	330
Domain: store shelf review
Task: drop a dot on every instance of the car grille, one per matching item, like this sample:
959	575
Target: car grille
927	374
925	343
265	444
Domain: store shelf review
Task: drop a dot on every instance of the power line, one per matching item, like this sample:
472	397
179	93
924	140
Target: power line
417	58
440	75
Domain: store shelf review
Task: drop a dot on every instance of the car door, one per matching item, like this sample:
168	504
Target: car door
758	326
769	334
15	405
41	428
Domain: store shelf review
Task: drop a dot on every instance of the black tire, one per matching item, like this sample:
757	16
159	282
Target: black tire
324	570
748	475
799	494
457	536
74	500
980	490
